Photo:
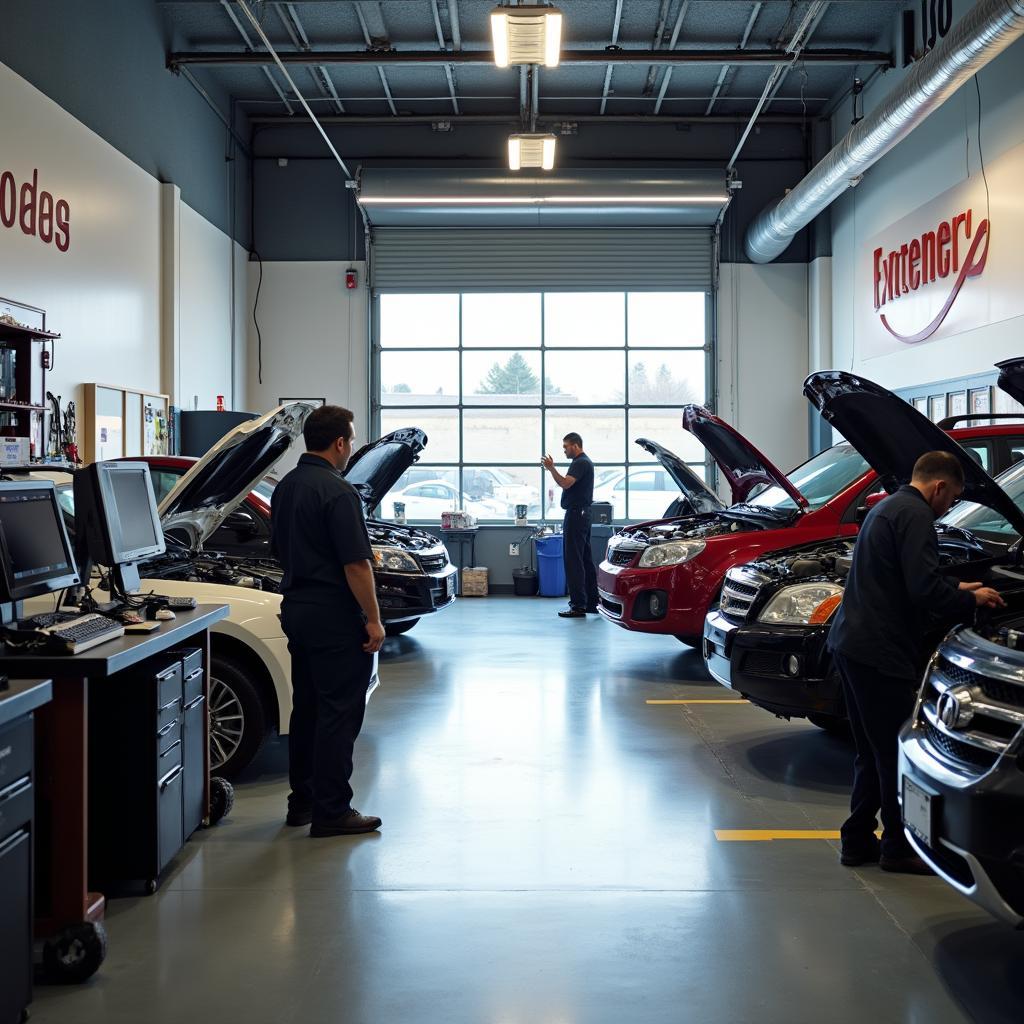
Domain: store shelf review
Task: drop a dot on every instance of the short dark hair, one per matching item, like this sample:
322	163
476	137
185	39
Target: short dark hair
325	425
573	438
939	466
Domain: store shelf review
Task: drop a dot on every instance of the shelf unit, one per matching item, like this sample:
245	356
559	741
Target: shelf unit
22	373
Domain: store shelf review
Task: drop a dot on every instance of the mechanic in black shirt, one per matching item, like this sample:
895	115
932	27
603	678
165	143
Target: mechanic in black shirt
330	616
894	597
577	497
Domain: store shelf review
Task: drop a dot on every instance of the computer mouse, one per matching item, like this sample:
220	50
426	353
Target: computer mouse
165	614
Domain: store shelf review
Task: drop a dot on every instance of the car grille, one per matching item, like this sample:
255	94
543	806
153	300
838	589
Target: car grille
738	595
996	689
621	556
760	663
965	753
432	562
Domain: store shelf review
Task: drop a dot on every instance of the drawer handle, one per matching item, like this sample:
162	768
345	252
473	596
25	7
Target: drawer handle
17	788
192	675
176	743
169	704
166	729
170	777
12	840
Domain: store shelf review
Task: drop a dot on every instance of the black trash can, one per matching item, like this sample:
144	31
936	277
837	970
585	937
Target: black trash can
525	582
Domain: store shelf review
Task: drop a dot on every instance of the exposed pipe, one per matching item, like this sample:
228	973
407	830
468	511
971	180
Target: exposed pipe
980	36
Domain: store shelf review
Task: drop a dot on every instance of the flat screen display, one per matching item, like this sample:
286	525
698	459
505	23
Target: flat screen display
132	500
37	544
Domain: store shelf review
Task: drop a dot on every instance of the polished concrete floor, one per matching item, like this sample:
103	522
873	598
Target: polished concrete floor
549	856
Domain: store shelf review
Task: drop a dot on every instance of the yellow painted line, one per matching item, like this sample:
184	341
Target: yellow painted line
698	702
766	835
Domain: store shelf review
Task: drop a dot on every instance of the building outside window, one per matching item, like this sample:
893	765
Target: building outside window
497	380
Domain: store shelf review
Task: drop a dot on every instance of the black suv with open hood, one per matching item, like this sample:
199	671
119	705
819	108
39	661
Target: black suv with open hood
767	637
219	507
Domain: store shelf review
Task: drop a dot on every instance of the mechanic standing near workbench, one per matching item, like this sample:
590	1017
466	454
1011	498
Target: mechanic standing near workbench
893	599
330	616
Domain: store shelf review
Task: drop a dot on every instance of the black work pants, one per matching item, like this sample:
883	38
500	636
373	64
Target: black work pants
580	573
877	706
330	674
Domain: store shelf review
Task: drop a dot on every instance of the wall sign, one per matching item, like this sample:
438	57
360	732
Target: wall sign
24	205
948	267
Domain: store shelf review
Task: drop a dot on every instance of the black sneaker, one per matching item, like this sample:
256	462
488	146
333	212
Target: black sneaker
572	613
853	854
908	865
593	611
299	816
352	824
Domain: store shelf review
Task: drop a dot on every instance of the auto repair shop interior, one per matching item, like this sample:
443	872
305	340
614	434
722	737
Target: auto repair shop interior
756	253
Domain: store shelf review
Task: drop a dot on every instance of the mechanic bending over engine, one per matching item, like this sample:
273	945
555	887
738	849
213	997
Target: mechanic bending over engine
894	594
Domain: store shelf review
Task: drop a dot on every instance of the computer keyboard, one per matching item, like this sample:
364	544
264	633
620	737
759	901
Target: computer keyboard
50	619
84	632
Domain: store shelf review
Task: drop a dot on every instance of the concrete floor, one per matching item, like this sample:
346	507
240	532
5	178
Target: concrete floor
548	857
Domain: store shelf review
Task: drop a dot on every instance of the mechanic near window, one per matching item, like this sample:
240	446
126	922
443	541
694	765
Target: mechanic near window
894	598
577	497
330	616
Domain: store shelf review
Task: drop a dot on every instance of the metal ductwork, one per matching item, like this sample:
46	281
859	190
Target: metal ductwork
980	36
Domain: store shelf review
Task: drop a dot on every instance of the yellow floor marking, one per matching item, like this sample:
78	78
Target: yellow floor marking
762	835
698	702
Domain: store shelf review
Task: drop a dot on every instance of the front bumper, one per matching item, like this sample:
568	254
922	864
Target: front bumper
412	595
758	662
670	600
977	830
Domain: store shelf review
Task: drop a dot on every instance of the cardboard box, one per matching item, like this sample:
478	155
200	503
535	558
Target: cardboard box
474	582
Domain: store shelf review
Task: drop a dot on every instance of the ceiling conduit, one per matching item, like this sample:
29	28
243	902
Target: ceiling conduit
980	36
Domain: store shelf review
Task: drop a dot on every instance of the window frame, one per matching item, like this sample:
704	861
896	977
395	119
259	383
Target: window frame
551	511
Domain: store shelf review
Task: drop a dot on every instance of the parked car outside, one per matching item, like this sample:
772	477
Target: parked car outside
500	486
426	501
767	637
651	491
412	570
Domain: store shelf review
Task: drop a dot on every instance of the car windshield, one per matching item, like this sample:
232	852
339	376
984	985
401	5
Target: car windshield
969	515
265	488
819	479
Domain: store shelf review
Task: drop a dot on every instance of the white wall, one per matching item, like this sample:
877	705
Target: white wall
941	152
315	338
762	356
104	293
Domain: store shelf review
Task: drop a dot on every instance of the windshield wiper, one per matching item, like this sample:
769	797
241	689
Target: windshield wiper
745	510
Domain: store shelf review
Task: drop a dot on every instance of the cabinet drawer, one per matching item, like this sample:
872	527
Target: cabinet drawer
170	753
168	685
15	750
193	685
191	659
170	837
168	715
15	807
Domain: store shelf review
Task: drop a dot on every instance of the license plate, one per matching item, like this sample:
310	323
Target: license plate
918	811
451	584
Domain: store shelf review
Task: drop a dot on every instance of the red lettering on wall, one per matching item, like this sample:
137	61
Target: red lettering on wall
45	217
63	225
37	213
8	199
944	236
915	265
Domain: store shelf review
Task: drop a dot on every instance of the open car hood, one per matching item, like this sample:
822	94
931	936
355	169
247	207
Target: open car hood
693	488
892	435
1011	377
740	462
207	494
377	466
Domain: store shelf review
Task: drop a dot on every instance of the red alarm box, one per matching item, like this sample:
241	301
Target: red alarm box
351	279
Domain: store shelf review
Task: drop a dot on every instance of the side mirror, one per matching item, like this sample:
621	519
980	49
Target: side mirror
241	522
869	503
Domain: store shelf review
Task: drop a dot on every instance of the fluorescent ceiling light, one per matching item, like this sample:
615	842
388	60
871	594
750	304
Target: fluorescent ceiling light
533	149
502	200
526	35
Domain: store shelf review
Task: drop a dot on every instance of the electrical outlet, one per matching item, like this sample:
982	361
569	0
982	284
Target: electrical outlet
513	550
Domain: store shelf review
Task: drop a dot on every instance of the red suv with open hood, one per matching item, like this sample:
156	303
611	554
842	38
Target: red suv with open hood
662	577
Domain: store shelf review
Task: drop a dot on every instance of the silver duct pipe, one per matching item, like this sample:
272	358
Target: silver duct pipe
980	36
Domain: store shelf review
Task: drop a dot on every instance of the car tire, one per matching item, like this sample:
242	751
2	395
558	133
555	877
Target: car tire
832	724
688	641
238	718
398	628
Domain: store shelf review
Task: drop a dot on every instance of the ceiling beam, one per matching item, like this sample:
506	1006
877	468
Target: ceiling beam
398	58
724	73
616	24
385	121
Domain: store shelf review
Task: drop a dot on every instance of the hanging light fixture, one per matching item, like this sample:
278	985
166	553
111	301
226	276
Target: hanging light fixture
531	149
528	34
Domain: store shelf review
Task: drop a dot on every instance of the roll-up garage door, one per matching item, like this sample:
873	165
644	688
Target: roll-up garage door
465	230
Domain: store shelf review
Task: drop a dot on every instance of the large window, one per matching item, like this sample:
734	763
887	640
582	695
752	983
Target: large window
497	380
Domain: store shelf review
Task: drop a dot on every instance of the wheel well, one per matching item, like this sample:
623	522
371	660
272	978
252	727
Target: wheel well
257	672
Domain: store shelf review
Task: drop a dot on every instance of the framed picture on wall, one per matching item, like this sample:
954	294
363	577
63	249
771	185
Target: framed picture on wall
921	405
980	401
957	403
315	402
936	408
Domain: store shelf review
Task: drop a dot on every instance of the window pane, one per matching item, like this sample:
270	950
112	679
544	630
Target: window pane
666	377
419	321
419	378
501	321
440	425
426	492
651	491
498	489
513	435
602	430
591	377
584	319
608	486
501	378
666	318
664	427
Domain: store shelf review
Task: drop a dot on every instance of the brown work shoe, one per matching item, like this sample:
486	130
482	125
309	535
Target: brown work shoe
909	865
352	824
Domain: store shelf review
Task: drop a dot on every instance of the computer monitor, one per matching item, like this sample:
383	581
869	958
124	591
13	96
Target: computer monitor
35	553
116	521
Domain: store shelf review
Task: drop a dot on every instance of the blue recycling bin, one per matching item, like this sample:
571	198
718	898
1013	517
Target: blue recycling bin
550	566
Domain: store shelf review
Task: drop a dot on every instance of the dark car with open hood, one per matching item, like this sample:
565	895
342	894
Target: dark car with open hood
413	573
767	637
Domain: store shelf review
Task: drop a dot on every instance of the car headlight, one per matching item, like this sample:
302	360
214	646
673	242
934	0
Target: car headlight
673	553
804	604
394	560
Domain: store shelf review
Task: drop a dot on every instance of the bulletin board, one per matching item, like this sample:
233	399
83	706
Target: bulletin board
122	422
